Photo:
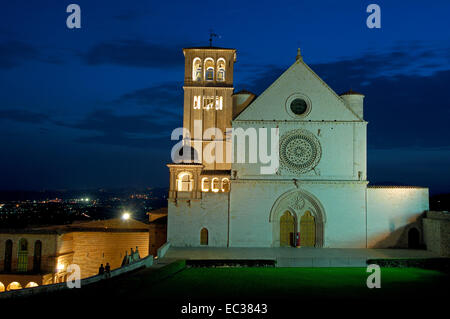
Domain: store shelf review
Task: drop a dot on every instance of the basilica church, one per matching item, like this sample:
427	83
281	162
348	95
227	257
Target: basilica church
318	196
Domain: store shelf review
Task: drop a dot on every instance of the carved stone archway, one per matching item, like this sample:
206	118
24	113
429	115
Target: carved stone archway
297	201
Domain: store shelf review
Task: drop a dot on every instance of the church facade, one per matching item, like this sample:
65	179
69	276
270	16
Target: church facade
318	195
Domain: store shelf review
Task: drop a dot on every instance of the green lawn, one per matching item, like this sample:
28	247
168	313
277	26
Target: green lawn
174	283
296	282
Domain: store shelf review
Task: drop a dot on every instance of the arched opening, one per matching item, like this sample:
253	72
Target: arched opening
221	70
215	184
185	182
37	256
287	229
2	287
197	102
22	256
197	69
204	237
205	184
31	284
413	238
225	185
14	286
8	255
307	230
297	202
209	69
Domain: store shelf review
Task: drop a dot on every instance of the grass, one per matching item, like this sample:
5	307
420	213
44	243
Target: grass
177	284
310	283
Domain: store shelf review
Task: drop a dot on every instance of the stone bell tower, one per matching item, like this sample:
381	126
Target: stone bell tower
207	114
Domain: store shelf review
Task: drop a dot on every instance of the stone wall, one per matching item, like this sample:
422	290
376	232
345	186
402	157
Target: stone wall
391	212
157	237
187	218
145	262
87	249
343	205
436	232
49	250
342	150
94	248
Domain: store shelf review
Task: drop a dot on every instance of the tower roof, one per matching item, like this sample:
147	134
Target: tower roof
208	48
351	92
243	92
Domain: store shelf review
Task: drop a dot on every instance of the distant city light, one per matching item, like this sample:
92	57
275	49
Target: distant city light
126	216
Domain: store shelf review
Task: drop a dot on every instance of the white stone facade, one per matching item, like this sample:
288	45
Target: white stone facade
322	172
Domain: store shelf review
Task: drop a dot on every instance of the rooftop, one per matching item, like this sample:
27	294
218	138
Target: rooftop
107	225
351	92
208	48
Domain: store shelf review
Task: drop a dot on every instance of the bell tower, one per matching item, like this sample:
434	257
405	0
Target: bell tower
207	115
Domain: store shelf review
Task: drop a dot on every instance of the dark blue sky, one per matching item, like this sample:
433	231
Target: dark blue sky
94	107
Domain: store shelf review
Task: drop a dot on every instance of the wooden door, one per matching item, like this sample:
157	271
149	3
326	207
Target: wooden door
204	236
287	229
307	230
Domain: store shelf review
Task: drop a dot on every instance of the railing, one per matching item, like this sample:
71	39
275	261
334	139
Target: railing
163	250
144	262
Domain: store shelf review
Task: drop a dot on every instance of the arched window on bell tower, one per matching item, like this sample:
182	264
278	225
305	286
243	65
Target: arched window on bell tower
197	69
225	185
221	70
209	69
185	182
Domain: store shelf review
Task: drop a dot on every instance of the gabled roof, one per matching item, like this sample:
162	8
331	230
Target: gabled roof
299	77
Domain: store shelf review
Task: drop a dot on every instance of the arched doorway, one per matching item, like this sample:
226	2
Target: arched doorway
22	257
297	202
8	255
287	229
307	230
2	287
413	238
204	237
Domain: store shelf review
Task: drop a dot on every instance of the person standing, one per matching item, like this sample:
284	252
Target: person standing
101	270
108	270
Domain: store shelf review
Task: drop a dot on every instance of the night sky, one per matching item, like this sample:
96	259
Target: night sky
94	107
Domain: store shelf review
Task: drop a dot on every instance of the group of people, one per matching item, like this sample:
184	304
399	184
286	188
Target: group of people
105	270
127	259
131	258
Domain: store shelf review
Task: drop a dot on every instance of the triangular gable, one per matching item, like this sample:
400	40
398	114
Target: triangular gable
271	105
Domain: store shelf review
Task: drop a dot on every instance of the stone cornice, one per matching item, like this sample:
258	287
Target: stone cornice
298	182
298	121
208	87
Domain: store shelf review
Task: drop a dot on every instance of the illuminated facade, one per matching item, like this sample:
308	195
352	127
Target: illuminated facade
319	195
40	256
